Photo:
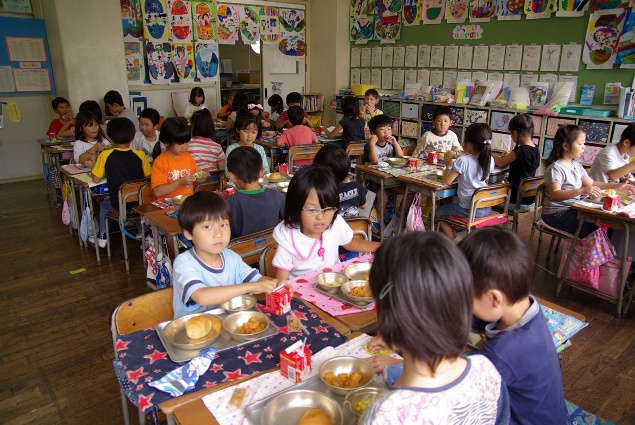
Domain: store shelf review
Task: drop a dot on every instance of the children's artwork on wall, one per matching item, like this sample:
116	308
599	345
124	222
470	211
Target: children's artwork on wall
589	154
207	61
249	24
474	116
160	67
482	10
626	47
509	9
135	69
603	32
362	7
432	11
180	19
456	11
500	120
609	4
227	23
183	59
387	6
547	148
269	26
539	9
361	29
131	19
571	8
204	20
411	12
388	28
596	131
292	44
155	20
501	142
292	20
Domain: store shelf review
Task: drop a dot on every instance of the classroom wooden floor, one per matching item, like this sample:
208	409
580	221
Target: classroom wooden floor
56	349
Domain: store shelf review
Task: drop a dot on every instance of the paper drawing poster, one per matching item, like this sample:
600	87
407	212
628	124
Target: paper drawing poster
456	10
183	59
291	20
602	38
155	20
269	26
609	4
432	11
571	7
626	47
180	19
362	7
206	56
507	8
411	12
135	69
482	9
204	20
160	67
227	23
249	24
388	28
387	6
539	9
292	35
131	19
362	28
292	44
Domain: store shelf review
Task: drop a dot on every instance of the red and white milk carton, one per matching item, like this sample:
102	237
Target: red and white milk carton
295	362
279	301
229	191
611	203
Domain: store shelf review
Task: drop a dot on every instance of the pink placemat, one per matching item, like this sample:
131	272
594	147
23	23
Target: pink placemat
72	168
303	287
162	205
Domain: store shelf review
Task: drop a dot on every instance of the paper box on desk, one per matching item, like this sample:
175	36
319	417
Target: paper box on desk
279	301
360	89
249	77
295	362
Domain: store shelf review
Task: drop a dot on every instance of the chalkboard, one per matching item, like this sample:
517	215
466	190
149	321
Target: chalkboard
25	62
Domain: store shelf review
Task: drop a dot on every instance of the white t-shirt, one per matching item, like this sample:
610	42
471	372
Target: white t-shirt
140	142
299	254
568	178
79	147
444	143
470	177
606	160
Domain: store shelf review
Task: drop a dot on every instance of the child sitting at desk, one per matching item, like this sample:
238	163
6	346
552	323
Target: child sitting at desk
440	138
249	129
382	144
254	208
276	108
118	165
370	110
114	104
298	134
61	126
90	139
224	112
612	163
293	99
209	274
196	103
208	154
311	233
147	138
351	126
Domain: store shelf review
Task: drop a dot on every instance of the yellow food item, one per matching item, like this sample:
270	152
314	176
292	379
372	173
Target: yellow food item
362	405
343	380
367	275
197	327
275	176
251	326
315	416
360	292
610	192
386	351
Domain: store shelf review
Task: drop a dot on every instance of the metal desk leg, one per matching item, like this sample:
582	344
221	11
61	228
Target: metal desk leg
574	241
623	276
95	224
433	210
403	209
382	207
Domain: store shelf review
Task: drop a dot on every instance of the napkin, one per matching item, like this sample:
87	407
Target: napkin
184	378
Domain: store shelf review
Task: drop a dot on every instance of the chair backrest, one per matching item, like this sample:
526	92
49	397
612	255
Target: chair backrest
360	226
355	149
489	196
303	152
129	192
142	312
540	195
266	259
145	195
249	247
527	188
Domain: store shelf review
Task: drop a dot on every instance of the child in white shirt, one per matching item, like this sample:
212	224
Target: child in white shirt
612	163
441	138
147	138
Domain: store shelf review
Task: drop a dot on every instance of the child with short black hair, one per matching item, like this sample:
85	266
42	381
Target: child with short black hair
147	138
90	139
293	99
254	208
224	112
440	138
298	134
277	107
93	106
249	129
239	104
210	273
352	194
208	154
518	340
382	144
196	103
116	108
118	165
424	310
61	126
371	99
612	163
351	126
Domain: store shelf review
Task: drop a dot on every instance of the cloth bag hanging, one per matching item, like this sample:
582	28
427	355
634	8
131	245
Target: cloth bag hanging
414	221
596	251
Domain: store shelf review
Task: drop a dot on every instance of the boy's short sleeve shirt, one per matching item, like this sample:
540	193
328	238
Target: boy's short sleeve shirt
192	274
129	113
352	196
147	146
383	152
55	126
607	159
368	115
119	166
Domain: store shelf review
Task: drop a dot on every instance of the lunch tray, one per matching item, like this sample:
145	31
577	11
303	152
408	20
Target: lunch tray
254	411
341	297
224	341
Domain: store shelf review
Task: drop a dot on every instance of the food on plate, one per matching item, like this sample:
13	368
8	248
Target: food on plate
610	192
367	275
343	380
201	174
362	405
315	416
360	292
251	326
179	201
385	351
197	327
275	176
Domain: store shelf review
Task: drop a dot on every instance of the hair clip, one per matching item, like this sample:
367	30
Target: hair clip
487	142
254	105
385	290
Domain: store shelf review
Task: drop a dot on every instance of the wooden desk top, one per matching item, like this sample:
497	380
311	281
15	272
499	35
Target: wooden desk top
427	183
601	213
168	224
374	172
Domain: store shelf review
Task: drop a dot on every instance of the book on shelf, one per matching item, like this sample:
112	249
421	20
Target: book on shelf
626	105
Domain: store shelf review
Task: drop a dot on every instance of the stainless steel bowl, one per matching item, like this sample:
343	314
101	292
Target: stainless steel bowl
331	282
275	177
283	187
202	176
239	303
289	407
358	271
359	395
348	287
346	364
175	333
178	199
397	162
234	320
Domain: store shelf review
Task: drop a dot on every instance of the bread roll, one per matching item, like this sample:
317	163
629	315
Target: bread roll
197	327
315	416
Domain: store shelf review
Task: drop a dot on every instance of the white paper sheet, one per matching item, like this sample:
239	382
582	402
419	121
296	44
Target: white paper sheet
436	77
398	79
531	57
527	79
465	56
355	76
495	76
449	78
423	77
479	75
411	56
481	55
423	56
386	78
574	80
511	79
365	76
436	56
513	57
376	57
398	56
496	57
464	76
570	57
375	77
386	56
410	76
355	57
550	57
451	57
365	57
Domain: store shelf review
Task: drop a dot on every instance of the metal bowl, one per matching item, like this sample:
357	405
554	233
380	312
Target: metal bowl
178	199
346	364
283	187
269	133
330	282
175	333
359	395
202	176
239	303
358	271
437	175
348	287
289	407
276	177
397	162
234	320
86	165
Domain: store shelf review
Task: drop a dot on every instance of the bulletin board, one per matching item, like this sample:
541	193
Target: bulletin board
25	62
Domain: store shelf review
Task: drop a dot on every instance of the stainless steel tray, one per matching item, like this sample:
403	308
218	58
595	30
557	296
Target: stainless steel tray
223	342
340	296
253	412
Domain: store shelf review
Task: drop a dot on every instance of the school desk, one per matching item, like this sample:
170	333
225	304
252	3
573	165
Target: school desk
162	224
52	156
590	214
68	171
